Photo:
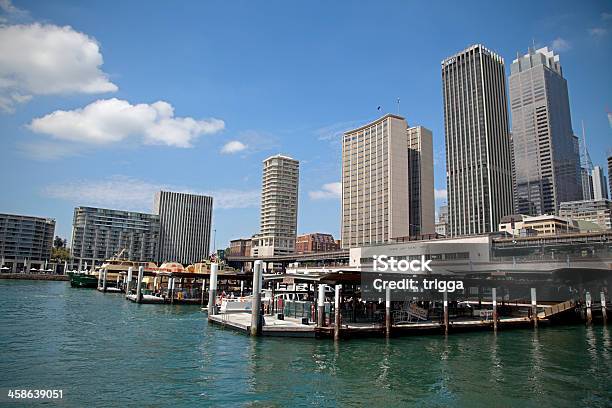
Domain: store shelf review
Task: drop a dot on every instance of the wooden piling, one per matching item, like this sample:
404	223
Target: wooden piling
589	311
445	312
604	312
99	279
171	289
534	308
203	290
388	312
241	288
494	296
139	284
212	290
337	313
321	306
256	305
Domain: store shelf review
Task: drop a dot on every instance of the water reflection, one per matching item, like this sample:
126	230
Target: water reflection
591	346
170	356
384	365
607	346
496	369
537	363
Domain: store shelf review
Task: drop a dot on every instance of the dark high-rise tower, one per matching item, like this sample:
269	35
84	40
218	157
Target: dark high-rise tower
478	155
610	171
547	162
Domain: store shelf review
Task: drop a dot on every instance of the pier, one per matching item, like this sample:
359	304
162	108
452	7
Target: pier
332	309
325	303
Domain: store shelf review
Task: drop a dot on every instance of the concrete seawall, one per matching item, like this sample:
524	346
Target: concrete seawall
34	276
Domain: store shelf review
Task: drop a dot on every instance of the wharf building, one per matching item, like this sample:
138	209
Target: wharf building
596	211
546	152
525	225
316	242
387	182
185	222
100	233
240	247
478	148
25	242
279	207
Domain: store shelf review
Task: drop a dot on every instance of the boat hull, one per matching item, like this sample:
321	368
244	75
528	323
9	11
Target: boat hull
79	280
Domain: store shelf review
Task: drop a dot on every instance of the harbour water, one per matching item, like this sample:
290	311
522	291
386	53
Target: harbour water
102	350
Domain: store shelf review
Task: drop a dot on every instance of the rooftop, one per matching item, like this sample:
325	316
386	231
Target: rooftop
388	115
281	156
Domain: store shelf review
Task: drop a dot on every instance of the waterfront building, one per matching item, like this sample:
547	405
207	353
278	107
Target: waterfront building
100	233
459	249
478	155
387	182
546	152
316	242
185	222
600	185
596	211
240	247
25	242
279	207
525	225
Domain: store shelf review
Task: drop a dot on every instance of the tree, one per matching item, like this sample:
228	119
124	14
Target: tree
60	254
59	242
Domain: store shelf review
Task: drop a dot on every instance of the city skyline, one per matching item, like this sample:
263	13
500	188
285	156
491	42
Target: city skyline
133	167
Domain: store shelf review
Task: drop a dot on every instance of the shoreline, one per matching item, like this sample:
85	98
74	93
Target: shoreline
35	276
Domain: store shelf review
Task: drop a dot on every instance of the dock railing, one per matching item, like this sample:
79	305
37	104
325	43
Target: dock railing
298	309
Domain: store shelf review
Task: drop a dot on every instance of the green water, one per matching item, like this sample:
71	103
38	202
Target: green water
104	351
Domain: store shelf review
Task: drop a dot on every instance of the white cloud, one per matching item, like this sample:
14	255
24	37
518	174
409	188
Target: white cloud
43	59
128	193
440	194
606	16
113	120
598	32
12	12
232	147
327	191
560	45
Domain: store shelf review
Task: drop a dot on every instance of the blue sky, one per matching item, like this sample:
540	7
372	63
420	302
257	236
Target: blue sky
271	77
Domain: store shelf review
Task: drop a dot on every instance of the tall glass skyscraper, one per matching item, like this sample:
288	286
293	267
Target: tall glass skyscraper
547	162
478	153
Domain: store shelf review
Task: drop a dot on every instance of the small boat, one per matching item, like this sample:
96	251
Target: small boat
83	280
